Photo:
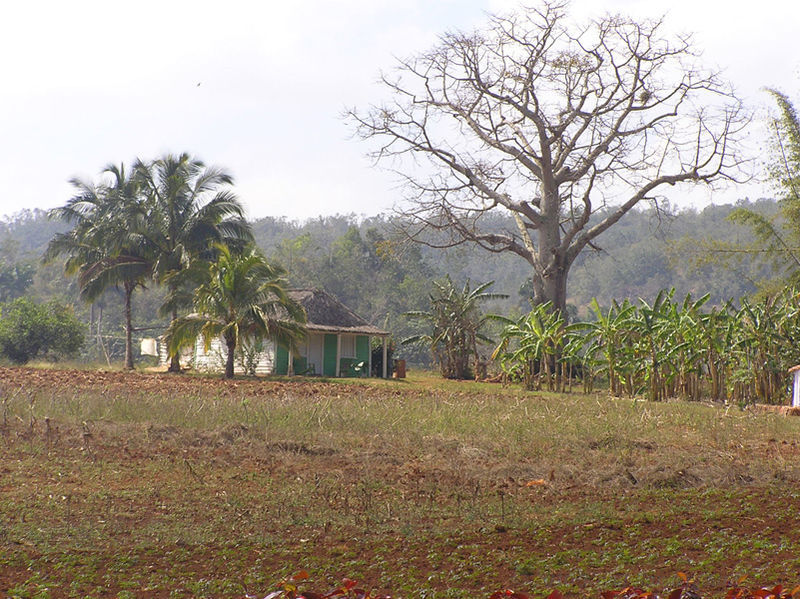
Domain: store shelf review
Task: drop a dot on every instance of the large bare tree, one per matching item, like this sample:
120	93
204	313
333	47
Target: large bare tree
563	128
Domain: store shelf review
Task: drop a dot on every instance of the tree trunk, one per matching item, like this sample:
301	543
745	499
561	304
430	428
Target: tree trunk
231	345
554	289
550	259
128	327
175	361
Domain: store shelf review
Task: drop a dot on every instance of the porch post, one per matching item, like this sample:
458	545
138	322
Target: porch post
290	367
385	360
338	354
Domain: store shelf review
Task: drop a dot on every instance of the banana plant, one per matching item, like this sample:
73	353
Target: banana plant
528	344
453	325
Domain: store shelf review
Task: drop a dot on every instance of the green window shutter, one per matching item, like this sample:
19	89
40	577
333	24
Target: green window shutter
281	360
329	355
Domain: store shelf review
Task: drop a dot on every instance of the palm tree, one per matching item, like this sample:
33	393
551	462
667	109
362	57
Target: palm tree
455	322
102	248
778	239
186	213
240	297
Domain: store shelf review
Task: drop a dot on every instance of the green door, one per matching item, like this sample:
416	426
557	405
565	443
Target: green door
329	356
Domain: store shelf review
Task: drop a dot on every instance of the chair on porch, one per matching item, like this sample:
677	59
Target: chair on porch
353	367
301	367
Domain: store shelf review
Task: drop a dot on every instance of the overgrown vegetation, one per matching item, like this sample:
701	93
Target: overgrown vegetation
346	256
454	326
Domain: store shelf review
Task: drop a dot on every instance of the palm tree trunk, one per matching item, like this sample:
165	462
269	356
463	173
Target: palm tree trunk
231	345
175	361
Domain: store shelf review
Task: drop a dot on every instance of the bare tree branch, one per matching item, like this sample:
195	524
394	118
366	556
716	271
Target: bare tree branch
564	128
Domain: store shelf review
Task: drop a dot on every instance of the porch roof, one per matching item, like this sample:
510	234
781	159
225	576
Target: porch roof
327	314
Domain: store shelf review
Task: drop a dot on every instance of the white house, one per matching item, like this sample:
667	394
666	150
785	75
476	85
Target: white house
338	344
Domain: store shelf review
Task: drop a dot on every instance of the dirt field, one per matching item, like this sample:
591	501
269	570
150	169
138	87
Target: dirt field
139	485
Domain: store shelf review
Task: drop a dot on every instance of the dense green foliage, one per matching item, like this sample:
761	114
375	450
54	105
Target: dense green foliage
15	280
532	348
664	348
148	225
28	330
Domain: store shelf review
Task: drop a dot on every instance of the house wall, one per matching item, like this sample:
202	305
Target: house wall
186	356
213	360
319	350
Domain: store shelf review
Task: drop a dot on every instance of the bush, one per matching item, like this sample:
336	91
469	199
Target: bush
28	330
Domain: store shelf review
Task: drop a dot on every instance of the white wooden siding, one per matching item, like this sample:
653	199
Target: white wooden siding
348	346
213	360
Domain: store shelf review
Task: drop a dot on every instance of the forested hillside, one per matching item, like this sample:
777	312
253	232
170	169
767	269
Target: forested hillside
367	265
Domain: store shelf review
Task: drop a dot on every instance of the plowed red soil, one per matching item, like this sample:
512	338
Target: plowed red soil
161	383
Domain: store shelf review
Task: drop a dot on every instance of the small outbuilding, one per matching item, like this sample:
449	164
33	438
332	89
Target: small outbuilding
795	372
338	344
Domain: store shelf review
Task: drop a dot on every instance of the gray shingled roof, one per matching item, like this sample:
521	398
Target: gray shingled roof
326	313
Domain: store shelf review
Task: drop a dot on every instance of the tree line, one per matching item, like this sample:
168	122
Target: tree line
650	250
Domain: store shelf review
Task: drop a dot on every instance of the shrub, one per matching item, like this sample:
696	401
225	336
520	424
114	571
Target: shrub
28	330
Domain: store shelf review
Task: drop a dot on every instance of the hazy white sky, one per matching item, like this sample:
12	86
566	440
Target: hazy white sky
259	87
